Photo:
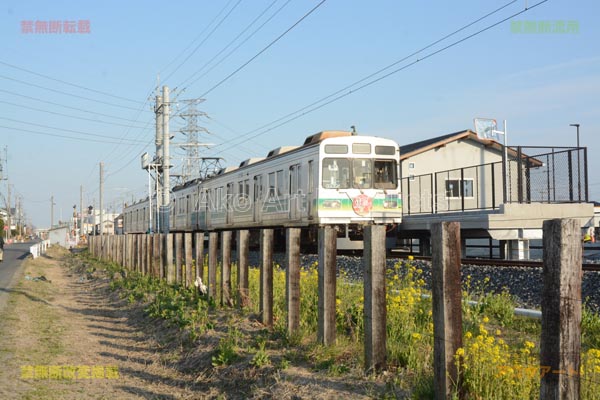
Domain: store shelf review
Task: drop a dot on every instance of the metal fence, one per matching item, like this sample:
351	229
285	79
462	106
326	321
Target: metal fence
533	175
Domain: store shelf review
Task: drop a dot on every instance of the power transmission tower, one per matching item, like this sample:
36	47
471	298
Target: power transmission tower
192	162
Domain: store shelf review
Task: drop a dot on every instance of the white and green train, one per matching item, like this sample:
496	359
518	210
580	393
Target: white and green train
334	178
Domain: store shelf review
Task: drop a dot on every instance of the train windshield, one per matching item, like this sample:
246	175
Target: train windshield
385	174
359	173
362	170
336	173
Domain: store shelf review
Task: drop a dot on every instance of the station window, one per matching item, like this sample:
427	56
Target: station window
385	174
453	188
336	173
336	149
385	150
362	173
361	148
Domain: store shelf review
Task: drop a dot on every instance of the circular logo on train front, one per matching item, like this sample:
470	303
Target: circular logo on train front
362	204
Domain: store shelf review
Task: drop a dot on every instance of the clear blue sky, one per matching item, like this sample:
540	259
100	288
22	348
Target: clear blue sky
540	82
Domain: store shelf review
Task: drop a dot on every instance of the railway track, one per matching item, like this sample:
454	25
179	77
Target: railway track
503	263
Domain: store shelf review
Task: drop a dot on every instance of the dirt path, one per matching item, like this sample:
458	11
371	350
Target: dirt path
67	327
70	337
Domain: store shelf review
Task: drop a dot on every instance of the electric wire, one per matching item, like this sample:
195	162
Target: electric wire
69	83
232	42
371	82
205	39
62	136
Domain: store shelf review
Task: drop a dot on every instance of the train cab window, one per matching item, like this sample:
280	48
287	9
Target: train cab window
336	149
385	150
385	174
362	172
336	173
361	148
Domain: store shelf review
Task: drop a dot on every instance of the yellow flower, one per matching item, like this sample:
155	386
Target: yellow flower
411	258
468	335
486	320
416	336
460	351
498	332
529	345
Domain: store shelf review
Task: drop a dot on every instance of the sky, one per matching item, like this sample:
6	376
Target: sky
74	99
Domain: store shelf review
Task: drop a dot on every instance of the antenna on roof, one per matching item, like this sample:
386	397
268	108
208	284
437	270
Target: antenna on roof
487	128
353	130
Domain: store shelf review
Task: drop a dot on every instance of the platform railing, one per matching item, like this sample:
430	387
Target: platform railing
533	175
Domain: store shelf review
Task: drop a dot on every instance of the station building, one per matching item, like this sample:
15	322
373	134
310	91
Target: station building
462	177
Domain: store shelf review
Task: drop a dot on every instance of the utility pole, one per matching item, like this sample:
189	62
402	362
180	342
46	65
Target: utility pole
164	209
8	233
80	210
158	159
101	197
51	211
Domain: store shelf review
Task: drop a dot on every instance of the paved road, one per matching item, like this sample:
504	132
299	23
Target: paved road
14	254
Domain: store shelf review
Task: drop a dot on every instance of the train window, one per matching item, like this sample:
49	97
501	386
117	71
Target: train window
362	172
336	149
271	184
311	180
280	183
361	148
258	188
336	173
385	150
385	174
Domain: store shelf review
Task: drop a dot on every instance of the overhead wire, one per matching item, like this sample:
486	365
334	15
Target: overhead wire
63	136
65	93
233	41
69	83
205	39
65	106
222	81
307	109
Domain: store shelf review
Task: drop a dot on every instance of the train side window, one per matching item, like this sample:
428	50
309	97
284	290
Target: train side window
311	178
257	188
280	183
336	149
385	150
271	184
385	174
336	173
362	173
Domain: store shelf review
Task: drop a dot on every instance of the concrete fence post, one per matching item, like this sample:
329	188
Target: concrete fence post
178	257
213	238
266	277
327	285
226	268
375	312
199	241
560	347
189	251
243	248
447	306
292	279
168	256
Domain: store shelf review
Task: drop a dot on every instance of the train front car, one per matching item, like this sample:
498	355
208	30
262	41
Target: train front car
358	184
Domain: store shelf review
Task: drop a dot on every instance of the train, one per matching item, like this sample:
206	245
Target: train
335	178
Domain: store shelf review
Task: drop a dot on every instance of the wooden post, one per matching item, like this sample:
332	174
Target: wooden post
199	241
156	264
243	247
122	250
226	268
560	347
136	253
375	313
168	256
266	277
447	311
149	256
188	259
292	279
327	285
178	257
212	264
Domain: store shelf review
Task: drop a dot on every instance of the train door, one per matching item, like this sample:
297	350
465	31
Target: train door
258	198
295	193
229	204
